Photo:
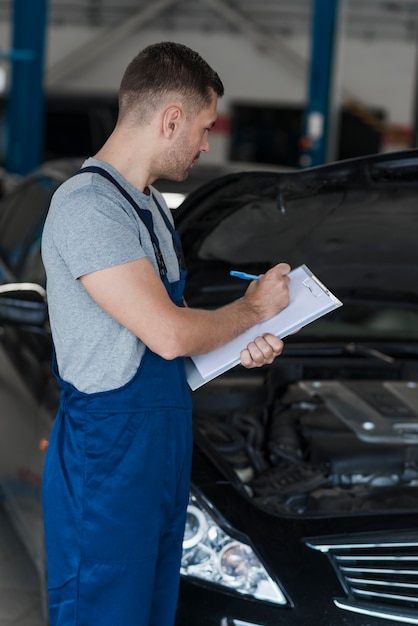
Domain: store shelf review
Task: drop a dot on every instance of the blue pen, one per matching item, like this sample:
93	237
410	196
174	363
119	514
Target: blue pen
244	275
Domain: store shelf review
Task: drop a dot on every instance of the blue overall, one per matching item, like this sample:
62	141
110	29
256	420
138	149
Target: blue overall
115	492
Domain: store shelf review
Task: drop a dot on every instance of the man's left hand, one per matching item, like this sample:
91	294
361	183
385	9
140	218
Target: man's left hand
261	351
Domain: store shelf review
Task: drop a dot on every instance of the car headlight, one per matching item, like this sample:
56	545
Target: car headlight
210	554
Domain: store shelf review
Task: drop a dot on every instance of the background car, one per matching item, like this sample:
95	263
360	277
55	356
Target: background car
304	494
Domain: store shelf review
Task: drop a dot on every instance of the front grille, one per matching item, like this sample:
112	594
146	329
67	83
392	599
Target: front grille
379	574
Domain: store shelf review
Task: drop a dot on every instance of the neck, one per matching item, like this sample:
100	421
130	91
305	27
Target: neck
132	162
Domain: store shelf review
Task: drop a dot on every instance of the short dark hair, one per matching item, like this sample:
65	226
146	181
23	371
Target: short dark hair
162	69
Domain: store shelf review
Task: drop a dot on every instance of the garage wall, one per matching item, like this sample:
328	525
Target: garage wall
381	74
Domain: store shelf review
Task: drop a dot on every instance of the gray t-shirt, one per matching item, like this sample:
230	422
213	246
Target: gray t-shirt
91	226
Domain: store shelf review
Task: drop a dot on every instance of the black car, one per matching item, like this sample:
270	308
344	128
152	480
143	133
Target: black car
304	500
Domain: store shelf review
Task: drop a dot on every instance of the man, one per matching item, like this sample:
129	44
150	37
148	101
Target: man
116	477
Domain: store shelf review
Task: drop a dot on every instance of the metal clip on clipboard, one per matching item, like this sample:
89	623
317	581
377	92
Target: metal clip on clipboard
314	286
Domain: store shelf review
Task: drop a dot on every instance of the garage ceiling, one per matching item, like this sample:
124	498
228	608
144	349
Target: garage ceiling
365	19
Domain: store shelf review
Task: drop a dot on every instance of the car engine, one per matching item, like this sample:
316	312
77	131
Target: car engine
314	447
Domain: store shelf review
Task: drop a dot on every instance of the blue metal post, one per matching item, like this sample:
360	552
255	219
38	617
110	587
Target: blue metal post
25	106
316	142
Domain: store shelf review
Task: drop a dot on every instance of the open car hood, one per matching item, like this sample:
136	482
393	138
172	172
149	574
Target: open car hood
353	223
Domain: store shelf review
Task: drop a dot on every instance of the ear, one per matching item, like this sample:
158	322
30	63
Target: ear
171	119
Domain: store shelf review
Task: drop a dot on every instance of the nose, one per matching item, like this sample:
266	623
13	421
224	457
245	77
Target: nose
204	146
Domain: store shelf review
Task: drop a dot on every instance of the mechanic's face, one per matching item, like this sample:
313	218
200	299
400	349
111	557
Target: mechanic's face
193	139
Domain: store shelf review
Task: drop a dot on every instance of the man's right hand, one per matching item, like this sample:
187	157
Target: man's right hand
270	294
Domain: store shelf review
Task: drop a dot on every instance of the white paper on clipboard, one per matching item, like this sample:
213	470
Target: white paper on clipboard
309	300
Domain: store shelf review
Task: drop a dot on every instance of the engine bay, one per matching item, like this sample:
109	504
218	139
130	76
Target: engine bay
314	447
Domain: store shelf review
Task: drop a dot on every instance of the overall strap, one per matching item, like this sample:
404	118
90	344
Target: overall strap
144	214
175	236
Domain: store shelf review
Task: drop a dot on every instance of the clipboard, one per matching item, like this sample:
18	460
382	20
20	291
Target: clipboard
309	300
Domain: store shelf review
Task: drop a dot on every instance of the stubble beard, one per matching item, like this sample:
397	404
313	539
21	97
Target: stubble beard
176	162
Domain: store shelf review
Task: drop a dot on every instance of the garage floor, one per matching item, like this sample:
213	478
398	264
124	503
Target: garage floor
20	600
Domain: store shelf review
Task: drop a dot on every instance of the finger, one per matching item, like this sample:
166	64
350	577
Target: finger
259	352
252	356
246	360
274	342
270	347
282	268
278	272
